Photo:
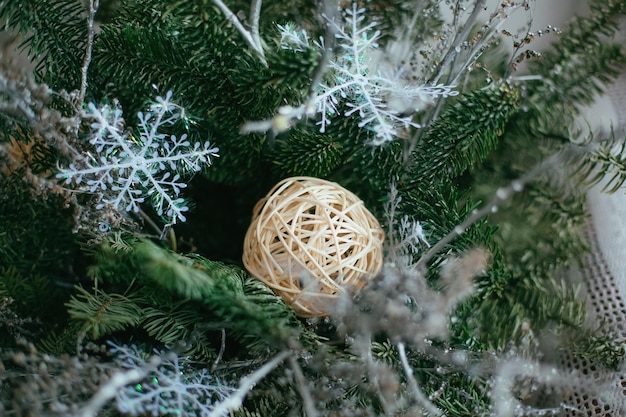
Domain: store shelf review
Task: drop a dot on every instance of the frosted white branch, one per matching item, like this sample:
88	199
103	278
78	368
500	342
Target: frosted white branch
246	384
252	38
418	394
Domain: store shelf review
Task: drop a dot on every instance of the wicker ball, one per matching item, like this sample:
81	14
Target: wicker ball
310	240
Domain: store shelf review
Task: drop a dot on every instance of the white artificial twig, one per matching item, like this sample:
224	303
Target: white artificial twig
255	15
253	39
307	399
93	7
419	396
246	384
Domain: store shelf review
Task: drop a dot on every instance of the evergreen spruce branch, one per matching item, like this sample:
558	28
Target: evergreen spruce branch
56	34
605	164
307	153
257	316
529	303
171	324
582	57
546	211
168	62
501	195
464	134
102	313
603	348
199	64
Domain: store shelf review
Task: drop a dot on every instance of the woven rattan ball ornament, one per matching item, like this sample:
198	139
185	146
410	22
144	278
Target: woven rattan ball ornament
310	240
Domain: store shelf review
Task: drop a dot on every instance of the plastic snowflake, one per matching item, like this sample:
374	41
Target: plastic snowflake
367	91
126	169
172	389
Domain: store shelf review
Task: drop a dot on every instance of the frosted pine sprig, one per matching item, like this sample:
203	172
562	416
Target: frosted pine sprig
170	389
126	169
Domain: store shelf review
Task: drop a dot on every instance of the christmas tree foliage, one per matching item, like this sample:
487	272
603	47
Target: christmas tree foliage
133	155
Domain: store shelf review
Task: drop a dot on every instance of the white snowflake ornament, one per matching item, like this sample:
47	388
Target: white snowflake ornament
125	169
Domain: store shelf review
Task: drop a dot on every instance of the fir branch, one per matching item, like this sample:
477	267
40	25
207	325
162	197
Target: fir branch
180	322
102	313
465	134
577	65
253	311
307	153
502	194
56	34
605	163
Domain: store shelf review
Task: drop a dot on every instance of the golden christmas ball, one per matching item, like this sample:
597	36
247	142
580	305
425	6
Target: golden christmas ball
310	240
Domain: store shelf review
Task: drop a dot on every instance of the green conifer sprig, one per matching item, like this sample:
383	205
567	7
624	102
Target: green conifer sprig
464	134
606	164
36	245
582	59
103	313
254	313
56	35
170	324
535	303
597	347
303	152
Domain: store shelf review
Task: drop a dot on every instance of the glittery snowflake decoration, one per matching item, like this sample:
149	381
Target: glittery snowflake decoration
125	169
359	81
372	94
170	389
